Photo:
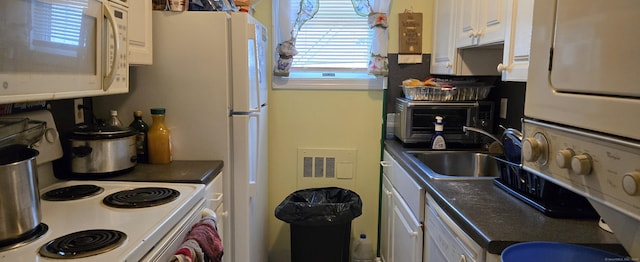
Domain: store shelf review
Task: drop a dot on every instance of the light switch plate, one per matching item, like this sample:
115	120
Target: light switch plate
78	112
503	108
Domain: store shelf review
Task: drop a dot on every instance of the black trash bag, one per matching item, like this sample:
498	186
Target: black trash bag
320	207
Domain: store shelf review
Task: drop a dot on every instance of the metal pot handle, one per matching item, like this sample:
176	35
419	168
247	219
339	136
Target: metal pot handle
81	151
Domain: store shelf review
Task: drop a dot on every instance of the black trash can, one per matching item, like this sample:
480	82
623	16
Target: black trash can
320	221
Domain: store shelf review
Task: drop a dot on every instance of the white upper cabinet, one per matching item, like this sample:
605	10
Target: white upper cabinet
443	58
517	42
447	58
140	33
480	22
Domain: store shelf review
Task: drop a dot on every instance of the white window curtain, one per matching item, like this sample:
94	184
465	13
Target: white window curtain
292	14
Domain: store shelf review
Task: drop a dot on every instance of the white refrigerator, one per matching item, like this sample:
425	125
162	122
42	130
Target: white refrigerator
209	72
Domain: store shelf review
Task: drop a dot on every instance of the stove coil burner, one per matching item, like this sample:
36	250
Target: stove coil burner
72	192
83	244
25	238
141	197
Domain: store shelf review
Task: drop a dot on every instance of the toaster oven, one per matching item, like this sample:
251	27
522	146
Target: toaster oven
414	120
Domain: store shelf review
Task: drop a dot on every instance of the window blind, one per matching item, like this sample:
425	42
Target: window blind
335	38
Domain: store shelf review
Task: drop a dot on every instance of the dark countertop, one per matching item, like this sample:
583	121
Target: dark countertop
495	219
195	171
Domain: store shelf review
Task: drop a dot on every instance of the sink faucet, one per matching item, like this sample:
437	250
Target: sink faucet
481	131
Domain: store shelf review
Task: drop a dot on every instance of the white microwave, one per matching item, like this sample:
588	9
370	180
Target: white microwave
55	49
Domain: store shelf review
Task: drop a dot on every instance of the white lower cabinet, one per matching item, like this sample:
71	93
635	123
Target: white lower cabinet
401	236
406	233
386	206
401	232
413	228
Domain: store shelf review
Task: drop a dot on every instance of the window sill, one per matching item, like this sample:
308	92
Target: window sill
332	81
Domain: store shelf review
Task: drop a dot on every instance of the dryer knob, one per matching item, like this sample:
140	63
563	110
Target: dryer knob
531	149
631	183
536	149
563	158
582	164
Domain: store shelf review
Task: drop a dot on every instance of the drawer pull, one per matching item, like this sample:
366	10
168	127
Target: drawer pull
218	197
215	202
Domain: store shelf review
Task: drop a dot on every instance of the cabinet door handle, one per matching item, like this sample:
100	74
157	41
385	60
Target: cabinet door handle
463	258
388	193
472	34
217	199
413	234
501	67
385	163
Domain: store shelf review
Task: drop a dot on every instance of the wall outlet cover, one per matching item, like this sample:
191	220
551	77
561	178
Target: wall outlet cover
503	108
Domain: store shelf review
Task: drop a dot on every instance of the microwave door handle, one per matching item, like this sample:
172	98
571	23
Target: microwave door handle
108	79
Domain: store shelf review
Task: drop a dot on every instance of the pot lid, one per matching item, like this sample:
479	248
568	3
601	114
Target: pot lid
101	131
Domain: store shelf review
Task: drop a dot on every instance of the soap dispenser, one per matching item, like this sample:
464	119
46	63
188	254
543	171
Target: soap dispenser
437	141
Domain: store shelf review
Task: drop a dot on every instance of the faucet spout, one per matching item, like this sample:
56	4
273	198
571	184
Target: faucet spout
481	131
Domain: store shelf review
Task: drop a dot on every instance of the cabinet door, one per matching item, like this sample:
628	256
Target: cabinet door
467	25
480	22
140	35
492	22
443	58
517	42
407	235
386	205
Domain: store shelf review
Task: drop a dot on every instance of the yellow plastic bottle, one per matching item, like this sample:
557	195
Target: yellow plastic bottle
159	138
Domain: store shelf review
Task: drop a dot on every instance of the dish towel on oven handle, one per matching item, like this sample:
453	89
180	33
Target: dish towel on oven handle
202	243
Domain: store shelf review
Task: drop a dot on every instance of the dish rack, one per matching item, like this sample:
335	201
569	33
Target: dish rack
543	195
23	131
447	92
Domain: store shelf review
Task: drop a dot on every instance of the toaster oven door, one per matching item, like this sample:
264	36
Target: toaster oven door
416	121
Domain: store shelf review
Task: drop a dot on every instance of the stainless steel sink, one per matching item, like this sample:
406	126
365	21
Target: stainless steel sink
455	164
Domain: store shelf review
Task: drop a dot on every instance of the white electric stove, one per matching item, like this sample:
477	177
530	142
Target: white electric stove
143	227
136	232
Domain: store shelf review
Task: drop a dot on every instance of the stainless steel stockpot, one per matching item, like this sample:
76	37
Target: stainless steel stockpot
103	150
19	198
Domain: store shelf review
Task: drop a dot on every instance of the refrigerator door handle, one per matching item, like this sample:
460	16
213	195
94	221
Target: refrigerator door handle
256	79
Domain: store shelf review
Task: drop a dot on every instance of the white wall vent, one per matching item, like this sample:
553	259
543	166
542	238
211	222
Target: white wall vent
326	167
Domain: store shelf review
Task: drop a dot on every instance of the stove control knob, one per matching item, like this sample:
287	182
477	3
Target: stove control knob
631	183
534	149
582	164
563	158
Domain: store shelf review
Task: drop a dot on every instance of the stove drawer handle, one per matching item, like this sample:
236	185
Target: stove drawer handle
81	151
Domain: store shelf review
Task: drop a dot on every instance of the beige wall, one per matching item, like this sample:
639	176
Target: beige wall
329	119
